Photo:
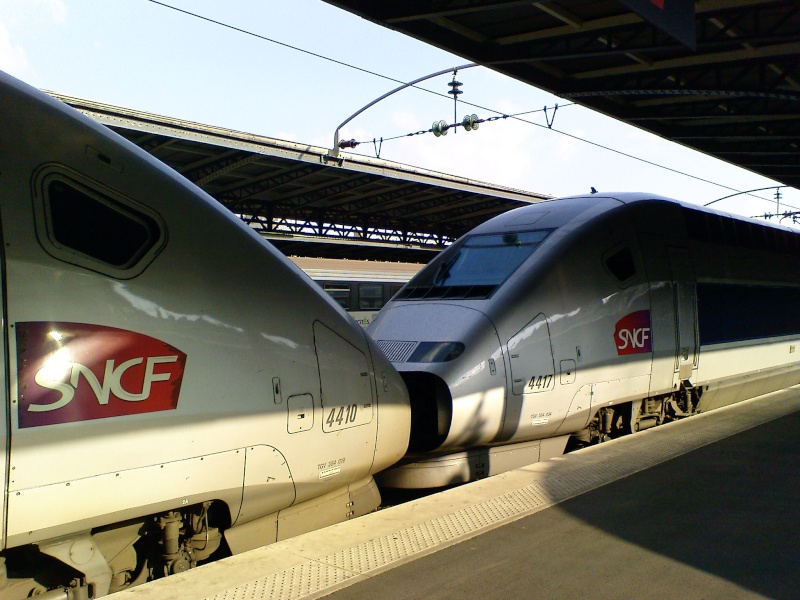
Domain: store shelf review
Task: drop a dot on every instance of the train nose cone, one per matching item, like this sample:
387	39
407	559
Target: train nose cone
394	422
451	361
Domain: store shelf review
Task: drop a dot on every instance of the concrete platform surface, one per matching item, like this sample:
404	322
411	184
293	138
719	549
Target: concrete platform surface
702	508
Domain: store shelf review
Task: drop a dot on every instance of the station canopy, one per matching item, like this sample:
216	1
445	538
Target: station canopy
309	203
719	76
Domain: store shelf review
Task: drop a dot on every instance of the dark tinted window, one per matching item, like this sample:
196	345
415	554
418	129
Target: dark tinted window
97	226
339	292
707	227
370	296
431	352
621	264
474	267
733	313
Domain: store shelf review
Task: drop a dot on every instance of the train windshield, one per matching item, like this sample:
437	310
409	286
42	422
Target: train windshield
476	267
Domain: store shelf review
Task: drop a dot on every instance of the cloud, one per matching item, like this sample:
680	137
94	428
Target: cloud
12	56
20	11
58	10
288	136
14	15
407	120
569	148
502	152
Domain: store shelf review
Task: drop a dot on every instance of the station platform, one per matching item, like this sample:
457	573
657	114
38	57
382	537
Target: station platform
701	508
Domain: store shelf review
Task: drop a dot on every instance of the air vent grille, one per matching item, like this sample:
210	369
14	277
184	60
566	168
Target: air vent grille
397	352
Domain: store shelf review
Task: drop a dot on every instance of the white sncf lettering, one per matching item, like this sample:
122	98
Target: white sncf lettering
633	338
110	384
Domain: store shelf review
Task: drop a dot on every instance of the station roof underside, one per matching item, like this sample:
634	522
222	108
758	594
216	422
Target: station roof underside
737	97
308	203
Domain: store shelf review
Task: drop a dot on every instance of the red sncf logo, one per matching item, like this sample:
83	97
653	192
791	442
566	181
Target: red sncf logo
77	372
632	333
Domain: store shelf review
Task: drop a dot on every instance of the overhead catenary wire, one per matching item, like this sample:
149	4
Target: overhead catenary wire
388	78
298	49
487	120
771	187
602	146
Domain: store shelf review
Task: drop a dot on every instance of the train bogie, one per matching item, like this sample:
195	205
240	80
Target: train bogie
175	385
582	319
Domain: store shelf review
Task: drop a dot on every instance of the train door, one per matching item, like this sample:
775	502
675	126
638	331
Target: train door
347	402
532	377
684	298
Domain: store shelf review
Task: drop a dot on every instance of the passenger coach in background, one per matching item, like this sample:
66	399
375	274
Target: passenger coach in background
361	287
577	320
165	405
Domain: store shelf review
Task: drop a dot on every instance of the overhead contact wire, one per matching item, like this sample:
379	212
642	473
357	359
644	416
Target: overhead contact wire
308	52
392	79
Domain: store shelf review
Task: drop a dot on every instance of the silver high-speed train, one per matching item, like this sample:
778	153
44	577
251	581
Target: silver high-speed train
172	384
576	320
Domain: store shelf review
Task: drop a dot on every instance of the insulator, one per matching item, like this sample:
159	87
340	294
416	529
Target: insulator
439	128
470	122
455	85
348	144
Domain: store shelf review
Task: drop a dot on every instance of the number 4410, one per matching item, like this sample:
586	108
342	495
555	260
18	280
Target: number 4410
342	416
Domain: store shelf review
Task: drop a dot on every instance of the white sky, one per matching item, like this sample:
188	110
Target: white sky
140	55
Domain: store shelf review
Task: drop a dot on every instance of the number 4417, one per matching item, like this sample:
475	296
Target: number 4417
540	382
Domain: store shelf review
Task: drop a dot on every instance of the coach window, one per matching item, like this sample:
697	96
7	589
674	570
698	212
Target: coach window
394	288
370	296
82	223
339	292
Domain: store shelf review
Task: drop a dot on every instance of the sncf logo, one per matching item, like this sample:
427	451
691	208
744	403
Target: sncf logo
77	372
632	334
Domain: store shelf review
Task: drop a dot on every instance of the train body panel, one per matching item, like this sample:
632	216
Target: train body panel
162	356
716	278
614	314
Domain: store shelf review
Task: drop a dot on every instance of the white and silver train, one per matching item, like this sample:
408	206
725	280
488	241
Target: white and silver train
173	387
576	320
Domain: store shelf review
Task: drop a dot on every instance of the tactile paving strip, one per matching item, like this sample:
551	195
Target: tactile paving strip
563	478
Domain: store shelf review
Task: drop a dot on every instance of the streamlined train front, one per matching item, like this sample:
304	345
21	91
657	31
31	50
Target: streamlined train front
176	388
470	336
577	320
